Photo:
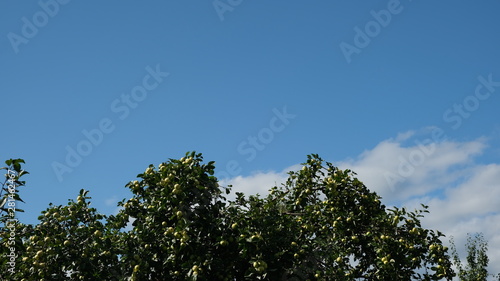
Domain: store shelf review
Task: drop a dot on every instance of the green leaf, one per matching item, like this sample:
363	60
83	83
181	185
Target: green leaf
17	197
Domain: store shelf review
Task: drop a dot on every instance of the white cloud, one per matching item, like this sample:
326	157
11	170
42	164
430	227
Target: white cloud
477	196
463	195
404	136
471	207
399	172
257	183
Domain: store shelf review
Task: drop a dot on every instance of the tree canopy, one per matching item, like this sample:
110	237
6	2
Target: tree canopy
476	267
321	224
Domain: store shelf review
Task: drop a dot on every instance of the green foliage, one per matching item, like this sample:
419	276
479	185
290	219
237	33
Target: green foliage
477	259
70	243
178	223
322	224
9	191
10	230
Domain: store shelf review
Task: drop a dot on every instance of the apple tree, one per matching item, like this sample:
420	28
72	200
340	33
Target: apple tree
341	231
322	224
70	242
178	224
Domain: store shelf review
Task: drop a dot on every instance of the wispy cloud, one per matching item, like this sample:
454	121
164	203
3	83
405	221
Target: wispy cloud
442	164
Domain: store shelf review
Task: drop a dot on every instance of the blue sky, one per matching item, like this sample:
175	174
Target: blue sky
277	73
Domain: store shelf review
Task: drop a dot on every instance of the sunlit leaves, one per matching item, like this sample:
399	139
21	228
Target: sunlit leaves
322	224
70	243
